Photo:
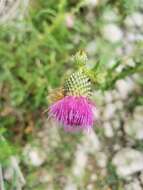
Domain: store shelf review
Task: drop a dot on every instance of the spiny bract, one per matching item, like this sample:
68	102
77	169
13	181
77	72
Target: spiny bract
78	84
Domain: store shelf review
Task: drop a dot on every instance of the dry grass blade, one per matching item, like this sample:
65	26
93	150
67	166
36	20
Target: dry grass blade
1	179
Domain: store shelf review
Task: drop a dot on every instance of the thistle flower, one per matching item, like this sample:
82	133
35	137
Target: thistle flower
74	110
69	21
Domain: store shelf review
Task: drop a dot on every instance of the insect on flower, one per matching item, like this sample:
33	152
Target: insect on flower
74	109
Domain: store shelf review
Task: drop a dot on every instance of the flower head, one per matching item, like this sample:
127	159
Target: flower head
69	21
74	110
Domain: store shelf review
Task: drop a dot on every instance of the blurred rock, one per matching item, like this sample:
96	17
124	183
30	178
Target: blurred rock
138	113
70	186
128	161
134	185
99	97
91	48
90	187
101	158
108	97
109	111
134	128
112	33
92	3
119	105
96	113
94	177
125	87
44	176
80	162
133	37
116	124
117	147
130	62
116	95
108	130
34	156
120	67
92	143
47	135
128	47
136	19
110	16
141	177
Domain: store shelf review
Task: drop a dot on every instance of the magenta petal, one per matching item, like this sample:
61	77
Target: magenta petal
75	113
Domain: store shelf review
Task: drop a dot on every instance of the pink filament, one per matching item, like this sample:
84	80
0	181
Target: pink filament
75	113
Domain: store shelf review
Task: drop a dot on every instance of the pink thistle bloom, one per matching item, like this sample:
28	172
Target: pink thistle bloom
74	112
69	21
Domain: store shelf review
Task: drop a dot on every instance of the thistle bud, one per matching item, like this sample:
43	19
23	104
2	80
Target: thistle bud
80	58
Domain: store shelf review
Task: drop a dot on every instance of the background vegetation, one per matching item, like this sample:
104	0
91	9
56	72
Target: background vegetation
35	55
